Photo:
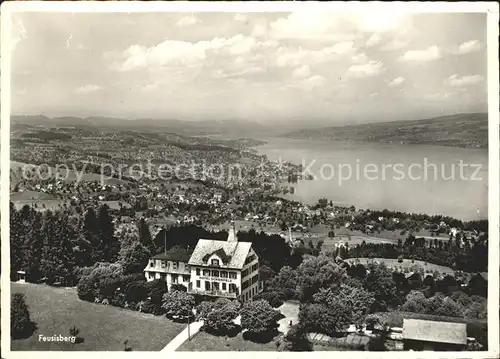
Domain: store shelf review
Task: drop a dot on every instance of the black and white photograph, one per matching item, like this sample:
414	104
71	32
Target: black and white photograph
221	178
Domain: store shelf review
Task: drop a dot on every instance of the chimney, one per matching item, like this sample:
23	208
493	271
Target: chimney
290	239
232	233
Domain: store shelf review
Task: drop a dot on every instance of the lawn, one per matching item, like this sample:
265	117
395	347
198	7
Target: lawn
103	328
208	342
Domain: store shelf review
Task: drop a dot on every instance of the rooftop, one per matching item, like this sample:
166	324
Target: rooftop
232	254
178	256
432	331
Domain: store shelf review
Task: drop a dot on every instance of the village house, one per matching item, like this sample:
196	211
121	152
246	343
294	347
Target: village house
227	269
435	336
171	267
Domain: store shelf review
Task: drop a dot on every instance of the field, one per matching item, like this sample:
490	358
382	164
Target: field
407	263
208	342
103	328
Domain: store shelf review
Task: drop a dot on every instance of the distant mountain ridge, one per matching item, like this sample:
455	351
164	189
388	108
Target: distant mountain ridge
460	130
178	126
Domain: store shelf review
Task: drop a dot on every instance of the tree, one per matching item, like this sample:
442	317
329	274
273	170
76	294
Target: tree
285	282
449	308
274	298
318	272
178	305
134	258
21	325
380	282
355	302
221	318
109	245
415	302
145	235
57	262
90	234
16	242
32	244
204	308
259	317
265	273
295	340
325	319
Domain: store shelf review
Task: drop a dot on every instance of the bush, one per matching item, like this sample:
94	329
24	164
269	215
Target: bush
156	289
136	292
21	325
85	289
220	319
259	317
178	305
295	340
178	287
74	331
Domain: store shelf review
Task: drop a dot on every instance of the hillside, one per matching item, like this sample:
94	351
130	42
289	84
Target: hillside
207	127
460	130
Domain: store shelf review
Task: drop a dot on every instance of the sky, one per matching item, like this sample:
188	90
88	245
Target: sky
325	66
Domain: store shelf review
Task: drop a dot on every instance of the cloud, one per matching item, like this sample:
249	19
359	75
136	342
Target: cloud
468	47
88	88
296	56
188	21
456	81
372	68
431	54
183	52
397	81
373	40
251	70
360	58
314	81
341	48
302	72
438	96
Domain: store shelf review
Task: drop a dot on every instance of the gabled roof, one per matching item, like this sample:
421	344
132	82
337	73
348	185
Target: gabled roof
225	258
232	254
432	331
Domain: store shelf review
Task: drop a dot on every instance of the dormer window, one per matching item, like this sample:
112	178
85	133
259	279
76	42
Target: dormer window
215	262
152	263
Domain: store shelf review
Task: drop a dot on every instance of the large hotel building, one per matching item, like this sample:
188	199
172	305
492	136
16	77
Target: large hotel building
215	268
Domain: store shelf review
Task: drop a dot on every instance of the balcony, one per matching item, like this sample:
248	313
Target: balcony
213	293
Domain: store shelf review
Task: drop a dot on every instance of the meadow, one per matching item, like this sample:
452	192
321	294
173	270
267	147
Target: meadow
103	328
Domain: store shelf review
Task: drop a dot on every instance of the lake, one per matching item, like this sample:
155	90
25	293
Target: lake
408	178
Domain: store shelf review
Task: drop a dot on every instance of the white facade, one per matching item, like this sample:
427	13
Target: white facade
173	272
228	269
214	280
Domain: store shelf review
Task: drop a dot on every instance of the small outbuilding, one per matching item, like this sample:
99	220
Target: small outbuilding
436	336
21	276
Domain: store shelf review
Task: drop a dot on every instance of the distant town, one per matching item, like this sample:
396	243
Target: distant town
223	262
